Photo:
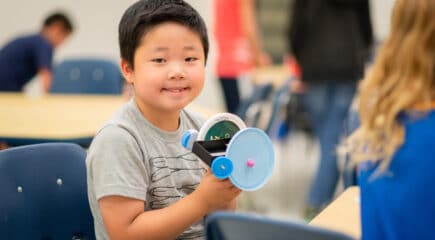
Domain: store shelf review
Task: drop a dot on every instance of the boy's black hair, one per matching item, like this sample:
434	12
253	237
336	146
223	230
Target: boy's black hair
143	15
59	17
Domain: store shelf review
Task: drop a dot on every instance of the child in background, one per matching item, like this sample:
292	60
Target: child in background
396	138
31	55
142	183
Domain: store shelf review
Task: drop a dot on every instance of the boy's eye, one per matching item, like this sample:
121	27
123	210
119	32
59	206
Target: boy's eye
191	59
158	60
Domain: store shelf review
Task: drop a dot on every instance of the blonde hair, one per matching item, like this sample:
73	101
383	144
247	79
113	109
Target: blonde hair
401	78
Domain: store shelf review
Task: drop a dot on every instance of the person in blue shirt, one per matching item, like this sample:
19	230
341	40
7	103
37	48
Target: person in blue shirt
395	142
26	56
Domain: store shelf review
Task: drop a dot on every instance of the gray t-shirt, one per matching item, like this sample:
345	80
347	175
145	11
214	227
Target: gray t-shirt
130	157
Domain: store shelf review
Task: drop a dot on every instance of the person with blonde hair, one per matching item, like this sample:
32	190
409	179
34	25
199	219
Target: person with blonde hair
395	142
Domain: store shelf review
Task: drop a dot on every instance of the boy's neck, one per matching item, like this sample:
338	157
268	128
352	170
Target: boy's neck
167	121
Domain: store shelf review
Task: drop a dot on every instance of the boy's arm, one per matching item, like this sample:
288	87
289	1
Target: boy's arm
45	76
125	218
232	206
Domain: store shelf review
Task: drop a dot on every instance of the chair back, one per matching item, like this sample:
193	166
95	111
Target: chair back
276	119
43	193
250	108
87	76
236	226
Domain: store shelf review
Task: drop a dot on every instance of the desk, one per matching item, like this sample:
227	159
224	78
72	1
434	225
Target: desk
56	117
26	119
275	74
343	214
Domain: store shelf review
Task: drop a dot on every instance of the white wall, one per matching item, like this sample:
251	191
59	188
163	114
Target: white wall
96	30
381	14
96	23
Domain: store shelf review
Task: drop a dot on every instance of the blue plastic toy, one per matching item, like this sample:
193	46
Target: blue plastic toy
245	155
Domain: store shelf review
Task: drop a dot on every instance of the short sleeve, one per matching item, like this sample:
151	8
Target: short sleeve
43	54
116	165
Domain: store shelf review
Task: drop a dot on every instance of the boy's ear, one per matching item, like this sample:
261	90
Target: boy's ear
127	71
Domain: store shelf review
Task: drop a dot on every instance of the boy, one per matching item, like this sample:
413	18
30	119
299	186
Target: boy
27	56
141	183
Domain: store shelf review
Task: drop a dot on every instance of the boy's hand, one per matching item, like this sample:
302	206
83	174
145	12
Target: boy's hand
216	193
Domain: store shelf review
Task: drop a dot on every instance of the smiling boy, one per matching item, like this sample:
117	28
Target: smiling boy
142	183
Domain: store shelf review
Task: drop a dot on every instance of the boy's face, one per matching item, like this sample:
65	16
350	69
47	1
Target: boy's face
169	69
57	34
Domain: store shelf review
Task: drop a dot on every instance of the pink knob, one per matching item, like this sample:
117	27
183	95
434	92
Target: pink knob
250	163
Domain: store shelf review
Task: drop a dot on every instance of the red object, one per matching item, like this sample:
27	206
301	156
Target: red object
233	53
294	68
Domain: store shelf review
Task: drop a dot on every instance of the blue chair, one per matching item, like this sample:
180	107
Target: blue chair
236	226
43	193
87	76
250	108
20	141
276	120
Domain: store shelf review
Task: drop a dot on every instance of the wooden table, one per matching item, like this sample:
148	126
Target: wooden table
73	118
54	117
275	74
343	214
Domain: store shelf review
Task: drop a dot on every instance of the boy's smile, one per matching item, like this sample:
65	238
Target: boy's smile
176	92
169	70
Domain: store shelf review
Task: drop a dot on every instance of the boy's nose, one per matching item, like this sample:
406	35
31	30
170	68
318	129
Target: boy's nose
177	72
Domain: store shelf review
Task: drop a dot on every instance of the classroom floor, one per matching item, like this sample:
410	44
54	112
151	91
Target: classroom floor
283	197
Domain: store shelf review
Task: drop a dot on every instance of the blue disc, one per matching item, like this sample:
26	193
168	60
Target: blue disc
221	167
252	155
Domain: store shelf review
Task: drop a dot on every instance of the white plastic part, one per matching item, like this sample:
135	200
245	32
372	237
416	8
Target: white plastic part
219	118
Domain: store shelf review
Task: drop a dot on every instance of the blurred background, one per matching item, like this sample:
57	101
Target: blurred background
96	32
95	35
